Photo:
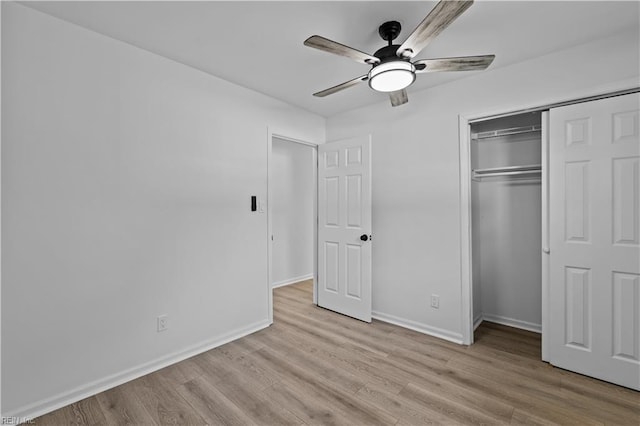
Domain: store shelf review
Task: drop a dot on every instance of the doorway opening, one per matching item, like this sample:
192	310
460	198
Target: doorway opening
292	213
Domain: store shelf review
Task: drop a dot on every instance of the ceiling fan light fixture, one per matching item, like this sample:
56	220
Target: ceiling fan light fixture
392	76
393	68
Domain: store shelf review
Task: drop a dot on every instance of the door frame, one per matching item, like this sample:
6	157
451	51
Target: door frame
464	135
273	133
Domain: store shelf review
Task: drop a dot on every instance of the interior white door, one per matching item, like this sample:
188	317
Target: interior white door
344	227
594	260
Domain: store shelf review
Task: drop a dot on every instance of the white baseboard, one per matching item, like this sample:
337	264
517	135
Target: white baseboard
288	281
523	325
419	327
36	409
477	321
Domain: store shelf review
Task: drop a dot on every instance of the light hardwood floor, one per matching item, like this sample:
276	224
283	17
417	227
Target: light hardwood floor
313	366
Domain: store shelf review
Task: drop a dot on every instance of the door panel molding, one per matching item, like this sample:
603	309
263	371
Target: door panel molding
344	213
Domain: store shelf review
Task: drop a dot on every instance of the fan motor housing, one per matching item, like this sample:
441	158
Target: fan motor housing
388	53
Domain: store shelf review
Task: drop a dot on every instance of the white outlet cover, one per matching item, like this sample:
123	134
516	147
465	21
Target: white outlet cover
435	301
163	323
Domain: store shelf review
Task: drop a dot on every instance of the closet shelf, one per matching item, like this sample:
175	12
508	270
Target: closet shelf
531	169
505	132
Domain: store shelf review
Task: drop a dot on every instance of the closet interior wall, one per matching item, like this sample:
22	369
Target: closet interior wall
506	221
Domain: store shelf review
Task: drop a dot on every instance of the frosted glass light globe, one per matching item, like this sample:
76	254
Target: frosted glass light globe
392	76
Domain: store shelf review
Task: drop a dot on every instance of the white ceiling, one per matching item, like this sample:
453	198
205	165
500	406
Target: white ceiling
259	44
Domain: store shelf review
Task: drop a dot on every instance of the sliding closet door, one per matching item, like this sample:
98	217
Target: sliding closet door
595	234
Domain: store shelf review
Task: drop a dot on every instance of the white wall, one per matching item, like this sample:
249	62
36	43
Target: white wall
416	187
292	207
126	184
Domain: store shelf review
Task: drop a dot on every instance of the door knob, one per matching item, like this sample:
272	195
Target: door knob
546	250
364	237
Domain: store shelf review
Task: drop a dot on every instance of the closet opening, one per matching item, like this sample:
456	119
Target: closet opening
506	220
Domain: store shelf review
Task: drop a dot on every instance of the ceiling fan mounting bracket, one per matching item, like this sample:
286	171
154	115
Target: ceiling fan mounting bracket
389	31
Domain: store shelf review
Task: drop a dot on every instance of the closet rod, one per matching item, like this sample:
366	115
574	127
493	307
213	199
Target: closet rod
505	132
522	172
508	171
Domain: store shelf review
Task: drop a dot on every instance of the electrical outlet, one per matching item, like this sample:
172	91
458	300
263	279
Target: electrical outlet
435	301
163	323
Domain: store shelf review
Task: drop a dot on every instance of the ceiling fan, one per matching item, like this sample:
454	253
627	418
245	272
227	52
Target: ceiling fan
392	70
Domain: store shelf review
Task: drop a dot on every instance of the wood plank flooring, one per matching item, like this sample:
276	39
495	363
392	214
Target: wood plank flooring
316	367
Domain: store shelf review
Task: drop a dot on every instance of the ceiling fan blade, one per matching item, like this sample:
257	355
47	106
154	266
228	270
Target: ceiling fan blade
437	20
463	63
341	86
321	43
398	97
